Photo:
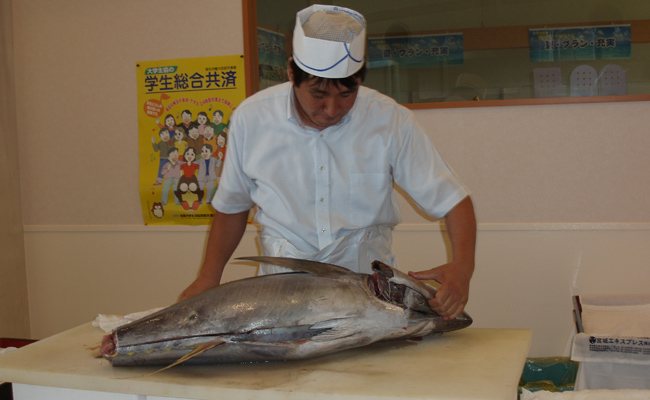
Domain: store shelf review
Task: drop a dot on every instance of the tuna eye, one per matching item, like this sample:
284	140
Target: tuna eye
192	317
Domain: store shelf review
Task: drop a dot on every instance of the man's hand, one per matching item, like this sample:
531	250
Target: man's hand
453	294
455	276
199	285
225	233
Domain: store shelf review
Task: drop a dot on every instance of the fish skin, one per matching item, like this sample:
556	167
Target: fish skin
281	317
300	265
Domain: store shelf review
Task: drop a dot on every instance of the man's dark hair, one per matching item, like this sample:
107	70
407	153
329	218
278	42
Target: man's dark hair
350	82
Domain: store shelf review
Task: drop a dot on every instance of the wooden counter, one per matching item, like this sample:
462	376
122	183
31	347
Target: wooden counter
466	364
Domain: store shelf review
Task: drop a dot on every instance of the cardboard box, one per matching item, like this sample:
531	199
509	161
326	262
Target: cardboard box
613	342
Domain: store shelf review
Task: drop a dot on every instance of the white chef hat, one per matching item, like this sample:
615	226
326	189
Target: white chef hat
329	41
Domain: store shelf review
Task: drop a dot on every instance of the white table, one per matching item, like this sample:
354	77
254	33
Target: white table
466	364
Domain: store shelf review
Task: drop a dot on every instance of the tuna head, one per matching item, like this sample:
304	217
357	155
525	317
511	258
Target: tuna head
191	321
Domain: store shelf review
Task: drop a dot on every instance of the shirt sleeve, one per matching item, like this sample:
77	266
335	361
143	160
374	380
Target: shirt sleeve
422	173
233	192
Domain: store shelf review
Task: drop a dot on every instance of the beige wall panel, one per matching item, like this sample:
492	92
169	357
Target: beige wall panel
550	163
113	271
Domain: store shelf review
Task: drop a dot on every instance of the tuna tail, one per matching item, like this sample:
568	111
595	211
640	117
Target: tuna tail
296	264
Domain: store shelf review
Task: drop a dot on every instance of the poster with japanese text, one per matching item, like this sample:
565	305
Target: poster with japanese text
184	108
580	43
417	51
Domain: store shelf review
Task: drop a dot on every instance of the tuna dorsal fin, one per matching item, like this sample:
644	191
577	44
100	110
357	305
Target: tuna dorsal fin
198	350
296	264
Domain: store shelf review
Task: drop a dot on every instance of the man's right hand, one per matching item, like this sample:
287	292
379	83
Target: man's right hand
199	285
226	232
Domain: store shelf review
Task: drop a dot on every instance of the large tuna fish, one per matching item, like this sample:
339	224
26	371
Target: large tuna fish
282	317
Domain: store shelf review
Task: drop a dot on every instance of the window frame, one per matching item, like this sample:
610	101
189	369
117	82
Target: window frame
249	13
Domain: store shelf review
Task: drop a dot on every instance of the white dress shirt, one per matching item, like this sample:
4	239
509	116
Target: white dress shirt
328	195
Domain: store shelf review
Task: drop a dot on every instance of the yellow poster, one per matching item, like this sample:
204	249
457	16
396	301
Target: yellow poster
184	109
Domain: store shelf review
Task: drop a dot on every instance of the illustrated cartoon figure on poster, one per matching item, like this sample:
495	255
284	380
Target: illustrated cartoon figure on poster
179	141
220	153
201	121
157	210
207	172
217	121
172	173
162	147
189	192
186	120
194	139
170	123
209	137
189	165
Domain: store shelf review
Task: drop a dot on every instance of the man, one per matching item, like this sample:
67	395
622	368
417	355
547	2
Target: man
319	156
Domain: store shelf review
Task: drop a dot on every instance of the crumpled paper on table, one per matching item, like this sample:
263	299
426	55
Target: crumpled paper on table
109	322
4	350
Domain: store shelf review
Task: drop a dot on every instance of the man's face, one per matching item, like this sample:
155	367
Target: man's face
187	117
323	105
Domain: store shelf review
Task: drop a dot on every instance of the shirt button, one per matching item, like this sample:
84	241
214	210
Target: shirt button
323	230
321	167
321	199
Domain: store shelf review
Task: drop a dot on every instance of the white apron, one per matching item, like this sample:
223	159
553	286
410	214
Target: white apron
355	251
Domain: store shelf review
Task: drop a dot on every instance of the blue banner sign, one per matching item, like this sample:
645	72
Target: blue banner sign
417	51
580	43
271	57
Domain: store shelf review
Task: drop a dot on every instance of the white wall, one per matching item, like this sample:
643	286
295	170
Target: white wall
559	190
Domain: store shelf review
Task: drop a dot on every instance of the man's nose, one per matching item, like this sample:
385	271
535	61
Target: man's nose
331	106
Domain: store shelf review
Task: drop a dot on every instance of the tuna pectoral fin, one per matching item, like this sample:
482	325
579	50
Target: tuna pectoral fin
335	329
198	350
